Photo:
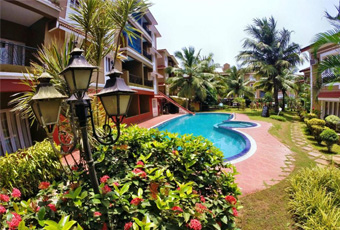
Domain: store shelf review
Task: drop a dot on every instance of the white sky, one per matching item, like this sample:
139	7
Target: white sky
217	26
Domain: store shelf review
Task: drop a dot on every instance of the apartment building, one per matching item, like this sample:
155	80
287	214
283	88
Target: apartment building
327	100
26	25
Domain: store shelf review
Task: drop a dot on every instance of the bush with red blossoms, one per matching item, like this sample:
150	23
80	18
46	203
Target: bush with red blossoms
128	226
195	224
104	179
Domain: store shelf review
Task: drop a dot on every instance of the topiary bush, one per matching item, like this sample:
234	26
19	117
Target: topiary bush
332	121
316	131
279	118
311	115
315	198
148	180
314	121
25	168
330	137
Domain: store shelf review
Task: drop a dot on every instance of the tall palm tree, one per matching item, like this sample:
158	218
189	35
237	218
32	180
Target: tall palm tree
191	80
236	84
269	51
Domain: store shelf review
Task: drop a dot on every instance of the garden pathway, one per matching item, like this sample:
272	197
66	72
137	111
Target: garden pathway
300	140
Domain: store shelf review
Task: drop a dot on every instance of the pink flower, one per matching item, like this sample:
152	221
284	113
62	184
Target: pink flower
175	152
177	209
103	179
15	221
231	199
37	209
235	213
74	168
52	207
128	226
140	163
195	224
200	208
16	193
116	183
106	189
2	209
97	214
202	199
44	185
139	172
4	198
136	201
104	226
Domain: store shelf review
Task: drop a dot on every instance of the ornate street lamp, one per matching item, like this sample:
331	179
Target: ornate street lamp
116	98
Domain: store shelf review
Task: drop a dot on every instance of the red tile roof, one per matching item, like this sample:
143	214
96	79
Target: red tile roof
332	94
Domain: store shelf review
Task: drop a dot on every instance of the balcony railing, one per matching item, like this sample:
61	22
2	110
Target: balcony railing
14	54
145	27
148	83
135	79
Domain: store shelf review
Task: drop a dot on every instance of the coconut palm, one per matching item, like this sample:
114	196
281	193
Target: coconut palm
236	85
269	52
192	80
330	37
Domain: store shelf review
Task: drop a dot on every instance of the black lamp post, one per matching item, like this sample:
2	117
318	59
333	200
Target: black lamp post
116	98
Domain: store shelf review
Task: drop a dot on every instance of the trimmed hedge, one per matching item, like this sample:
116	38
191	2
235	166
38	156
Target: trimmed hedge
279	118
330	137
26	168
315	198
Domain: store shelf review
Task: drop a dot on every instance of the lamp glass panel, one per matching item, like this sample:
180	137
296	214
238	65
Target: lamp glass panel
50	111
82	78
35	109
69	80
124	103
110	104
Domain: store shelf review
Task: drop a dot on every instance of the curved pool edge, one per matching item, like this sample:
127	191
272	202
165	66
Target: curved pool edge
160	123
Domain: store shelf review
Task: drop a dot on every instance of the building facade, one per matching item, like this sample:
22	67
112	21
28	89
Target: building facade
324	100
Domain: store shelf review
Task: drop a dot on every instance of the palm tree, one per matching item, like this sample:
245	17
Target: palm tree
192	80
235	83
330	37
269	52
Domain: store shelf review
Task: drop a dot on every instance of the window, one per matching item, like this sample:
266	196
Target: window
14	132
12	53
74	3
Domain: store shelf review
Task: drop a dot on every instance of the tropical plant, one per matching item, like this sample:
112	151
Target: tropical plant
235	83
330	137
193	79
269	52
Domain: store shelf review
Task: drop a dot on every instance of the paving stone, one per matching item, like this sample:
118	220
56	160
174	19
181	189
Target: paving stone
314	154
322	161
307	148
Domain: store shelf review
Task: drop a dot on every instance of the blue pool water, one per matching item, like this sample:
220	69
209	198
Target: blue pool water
237	124
231	143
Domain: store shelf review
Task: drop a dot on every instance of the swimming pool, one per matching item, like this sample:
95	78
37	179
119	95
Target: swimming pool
232	143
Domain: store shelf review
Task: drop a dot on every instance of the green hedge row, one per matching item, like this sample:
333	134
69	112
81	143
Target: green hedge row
26	168
279	118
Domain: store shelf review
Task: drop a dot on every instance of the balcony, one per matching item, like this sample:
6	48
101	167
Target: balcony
136	44
148	83
148	56
145	27
135	79
15	54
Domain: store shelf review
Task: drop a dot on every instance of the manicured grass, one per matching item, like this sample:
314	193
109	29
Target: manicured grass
268	209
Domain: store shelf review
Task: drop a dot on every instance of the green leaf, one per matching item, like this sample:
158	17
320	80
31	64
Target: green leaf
124	189
96	201
15	206
101	158
186	216
69	224
140	192
77	192
63	220
224	219
41	213
217	226
22	226
83	195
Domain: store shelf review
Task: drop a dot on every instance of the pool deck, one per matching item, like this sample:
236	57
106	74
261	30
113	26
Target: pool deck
266	167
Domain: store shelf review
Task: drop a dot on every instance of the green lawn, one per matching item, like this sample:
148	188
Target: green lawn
267	209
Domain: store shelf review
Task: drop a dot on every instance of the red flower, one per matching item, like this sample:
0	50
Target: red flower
116	183
52	207
177	209
200	208
14	223
16	193
139	172
140	163
128	226
235	213
74	168
103	179
104	226
136	201
44	185
106	189
194	192
175	152
231	199
4	198
97	214
37	209
195	224
219	223
178	188
2	209
202	199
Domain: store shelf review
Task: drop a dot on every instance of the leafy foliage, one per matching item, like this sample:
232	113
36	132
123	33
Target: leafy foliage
332	121
330	137
25	168
315	198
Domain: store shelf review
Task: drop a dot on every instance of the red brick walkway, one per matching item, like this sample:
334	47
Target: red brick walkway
265	167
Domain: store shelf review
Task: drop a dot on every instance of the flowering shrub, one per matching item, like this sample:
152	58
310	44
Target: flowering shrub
148	180
25	168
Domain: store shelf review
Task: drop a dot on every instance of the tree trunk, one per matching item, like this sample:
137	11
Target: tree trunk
283	100
276	97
